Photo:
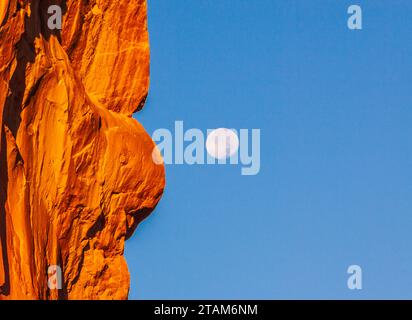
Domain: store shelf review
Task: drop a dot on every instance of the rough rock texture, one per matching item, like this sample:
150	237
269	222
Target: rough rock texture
76	173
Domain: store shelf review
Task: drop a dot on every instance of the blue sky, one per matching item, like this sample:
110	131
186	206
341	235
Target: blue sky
335	185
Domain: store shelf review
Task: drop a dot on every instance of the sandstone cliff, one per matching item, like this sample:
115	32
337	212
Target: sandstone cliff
76	173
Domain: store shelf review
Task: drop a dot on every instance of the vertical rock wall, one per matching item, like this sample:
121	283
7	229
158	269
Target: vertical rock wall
76	173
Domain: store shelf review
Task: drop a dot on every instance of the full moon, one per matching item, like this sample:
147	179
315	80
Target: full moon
222	143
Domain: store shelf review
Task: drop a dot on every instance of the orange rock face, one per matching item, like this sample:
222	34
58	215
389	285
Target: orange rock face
76	172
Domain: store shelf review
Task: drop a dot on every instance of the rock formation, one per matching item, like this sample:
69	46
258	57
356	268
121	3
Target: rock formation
76	173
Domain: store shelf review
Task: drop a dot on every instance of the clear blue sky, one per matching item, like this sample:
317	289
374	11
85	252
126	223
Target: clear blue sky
335	186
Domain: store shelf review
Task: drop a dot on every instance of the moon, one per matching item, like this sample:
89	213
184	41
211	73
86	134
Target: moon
222	143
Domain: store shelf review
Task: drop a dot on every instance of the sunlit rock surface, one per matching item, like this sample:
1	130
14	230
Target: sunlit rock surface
76	173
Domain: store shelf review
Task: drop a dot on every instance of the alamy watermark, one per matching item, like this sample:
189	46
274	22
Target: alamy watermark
55	20
354	21
355	278
355	18
221	146
54	277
